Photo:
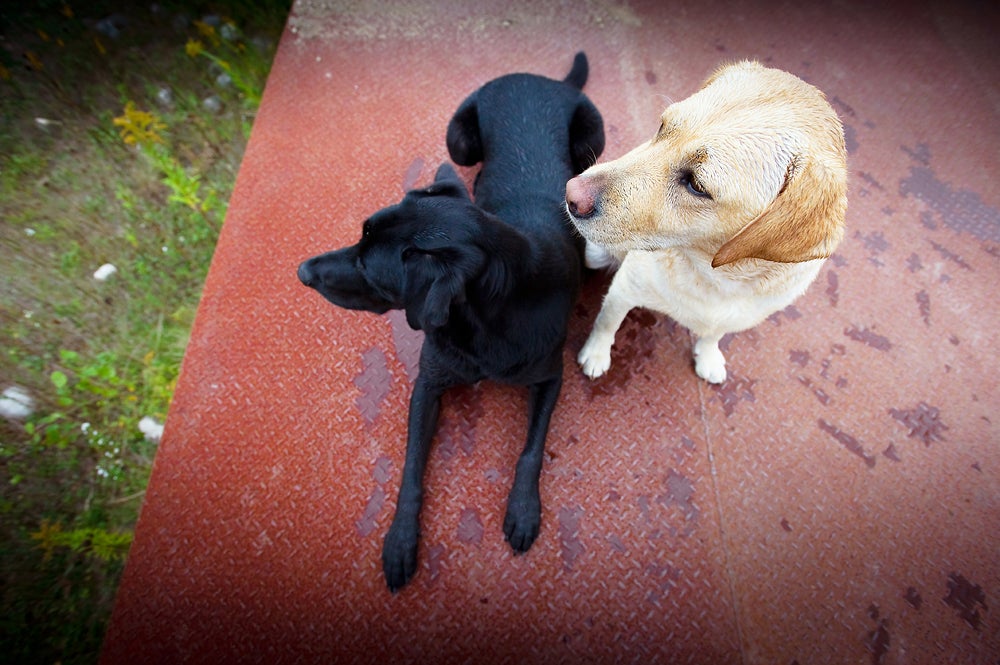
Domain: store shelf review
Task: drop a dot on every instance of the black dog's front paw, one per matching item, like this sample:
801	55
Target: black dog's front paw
523	521
399	554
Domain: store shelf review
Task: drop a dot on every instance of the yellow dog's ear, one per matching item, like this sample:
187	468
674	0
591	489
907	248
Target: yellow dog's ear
804	222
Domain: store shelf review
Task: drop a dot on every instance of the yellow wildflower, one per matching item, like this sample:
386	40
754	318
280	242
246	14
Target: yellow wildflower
207	31
4	73
100	46
193	48
139	127
44	35
67	11
48	536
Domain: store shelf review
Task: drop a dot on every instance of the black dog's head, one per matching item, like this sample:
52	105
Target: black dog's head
417	255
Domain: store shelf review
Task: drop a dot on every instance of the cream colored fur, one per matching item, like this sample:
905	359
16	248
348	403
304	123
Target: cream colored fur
723	218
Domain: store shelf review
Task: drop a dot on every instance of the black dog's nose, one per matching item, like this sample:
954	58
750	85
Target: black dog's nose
306	275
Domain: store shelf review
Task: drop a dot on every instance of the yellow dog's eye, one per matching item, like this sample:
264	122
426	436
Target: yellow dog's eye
687	180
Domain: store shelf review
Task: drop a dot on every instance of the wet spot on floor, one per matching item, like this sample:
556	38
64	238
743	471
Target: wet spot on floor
734	390
367	523
843	107
961	210
374	382
800	358
891	453
851	138
924	305
920	153
383	470
790	313
680	495
470	527
818	393
407	342
951	256
847	441
570	546
616	544
913	263
650	77
878	642
412	174
924	422
457	428
874	242
832	288
868	337
913	598
664	578
871	181
966	598
785	526
435	557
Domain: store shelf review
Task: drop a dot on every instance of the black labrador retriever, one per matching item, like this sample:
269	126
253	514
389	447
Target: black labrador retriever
492	284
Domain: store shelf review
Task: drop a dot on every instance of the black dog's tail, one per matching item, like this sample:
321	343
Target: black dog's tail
578	75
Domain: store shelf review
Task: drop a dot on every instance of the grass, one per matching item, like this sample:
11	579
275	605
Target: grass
121	132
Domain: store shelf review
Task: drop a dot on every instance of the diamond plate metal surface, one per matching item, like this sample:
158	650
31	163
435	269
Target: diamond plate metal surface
837	500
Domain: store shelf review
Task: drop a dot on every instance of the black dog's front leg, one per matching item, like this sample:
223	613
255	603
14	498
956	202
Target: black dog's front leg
399	553
524	506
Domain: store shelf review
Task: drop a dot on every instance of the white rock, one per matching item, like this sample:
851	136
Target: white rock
151	429
105	271
16	403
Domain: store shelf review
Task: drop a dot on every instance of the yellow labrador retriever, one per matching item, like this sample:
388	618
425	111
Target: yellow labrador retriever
723	218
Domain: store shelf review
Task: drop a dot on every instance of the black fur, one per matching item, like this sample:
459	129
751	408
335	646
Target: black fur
492	284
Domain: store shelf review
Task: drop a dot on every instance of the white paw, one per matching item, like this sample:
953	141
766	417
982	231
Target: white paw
594	358
710	364
596	257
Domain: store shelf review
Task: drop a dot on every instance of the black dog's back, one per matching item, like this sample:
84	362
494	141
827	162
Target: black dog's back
517	126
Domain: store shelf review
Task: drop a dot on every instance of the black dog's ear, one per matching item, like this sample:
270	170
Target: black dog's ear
446	183
464	144
435	280
586	135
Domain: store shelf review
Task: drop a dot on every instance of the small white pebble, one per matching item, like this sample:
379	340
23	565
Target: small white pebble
165	97
105	271
16	403
212	104
151	429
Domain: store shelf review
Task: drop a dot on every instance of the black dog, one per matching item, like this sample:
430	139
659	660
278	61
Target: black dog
491	284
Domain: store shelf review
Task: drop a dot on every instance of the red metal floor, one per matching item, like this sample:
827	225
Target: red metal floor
837	500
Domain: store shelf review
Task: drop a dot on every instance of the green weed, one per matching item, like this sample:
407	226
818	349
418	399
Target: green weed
109	153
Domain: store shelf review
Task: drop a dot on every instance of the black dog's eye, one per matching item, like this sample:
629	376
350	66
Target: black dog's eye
692	185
